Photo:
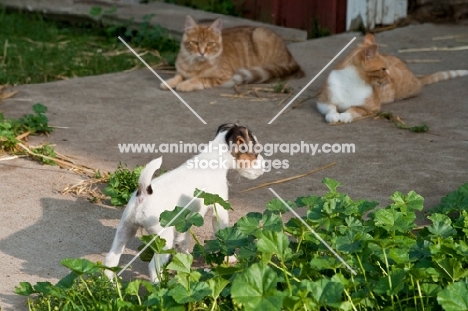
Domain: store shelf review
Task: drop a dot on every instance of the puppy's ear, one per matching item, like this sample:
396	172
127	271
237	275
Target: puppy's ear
240	140
225	127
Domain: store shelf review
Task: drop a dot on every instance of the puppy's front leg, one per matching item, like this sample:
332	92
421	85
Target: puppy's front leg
156	265
221	221
125	232
220	218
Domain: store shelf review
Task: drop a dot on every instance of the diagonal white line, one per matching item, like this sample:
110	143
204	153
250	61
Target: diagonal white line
162	80
313	232
310	82
159	233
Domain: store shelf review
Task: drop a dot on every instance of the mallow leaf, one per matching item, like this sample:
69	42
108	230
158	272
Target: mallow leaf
454	297
441	226
255	289
210	199
181	222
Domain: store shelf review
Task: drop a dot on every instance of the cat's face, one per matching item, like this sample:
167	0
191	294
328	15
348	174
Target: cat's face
202	43
373	64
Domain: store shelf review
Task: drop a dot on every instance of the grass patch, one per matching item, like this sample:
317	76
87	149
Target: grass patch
34	49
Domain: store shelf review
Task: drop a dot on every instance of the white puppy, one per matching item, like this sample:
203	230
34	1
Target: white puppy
232	148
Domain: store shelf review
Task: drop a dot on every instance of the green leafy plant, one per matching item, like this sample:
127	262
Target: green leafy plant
399	123
282	266
36	123
45	150
122	183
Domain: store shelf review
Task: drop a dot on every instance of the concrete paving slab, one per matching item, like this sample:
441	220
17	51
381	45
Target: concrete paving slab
169	16
40	227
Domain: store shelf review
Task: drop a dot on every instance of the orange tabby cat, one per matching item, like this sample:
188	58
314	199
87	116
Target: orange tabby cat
210	56
365	79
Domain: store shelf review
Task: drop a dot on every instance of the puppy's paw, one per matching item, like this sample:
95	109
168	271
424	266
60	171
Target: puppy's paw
230	259
110	275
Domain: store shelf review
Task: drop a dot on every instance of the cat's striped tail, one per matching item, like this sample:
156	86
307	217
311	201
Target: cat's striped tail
442	75
265	74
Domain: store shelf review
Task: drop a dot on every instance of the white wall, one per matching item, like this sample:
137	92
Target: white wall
374	12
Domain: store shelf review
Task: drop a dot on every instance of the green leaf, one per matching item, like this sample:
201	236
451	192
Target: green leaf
184	221
454	297
80	266
133	288
278	207
455	201
196	292
217	285
231	238
364	206
331	184
249	224
270	242
451	268
68	281
393	220
325	292
210	199
399	255
156	247
441	226
255	289
384	287
39	108
348	244
321	262
272	222
181	263
25	289
407	203
309	201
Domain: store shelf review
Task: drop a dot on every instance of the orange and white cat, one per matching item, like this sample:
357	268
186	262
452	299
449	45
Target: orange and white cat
365	79
210	56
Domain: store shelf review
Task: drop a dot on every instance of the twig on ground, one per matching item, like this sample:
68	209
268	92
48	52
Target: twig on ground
434	49
61	161
449	37
289	178
422	60
23	136
9	158
87	188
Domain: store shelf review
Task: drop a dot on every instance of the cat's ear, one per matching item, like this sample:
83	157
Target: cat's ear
190	22
370	51
369	39
217	25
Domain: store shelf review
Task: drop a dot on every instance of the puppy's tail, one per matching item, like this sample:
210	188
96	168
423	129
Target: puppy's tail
144	182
